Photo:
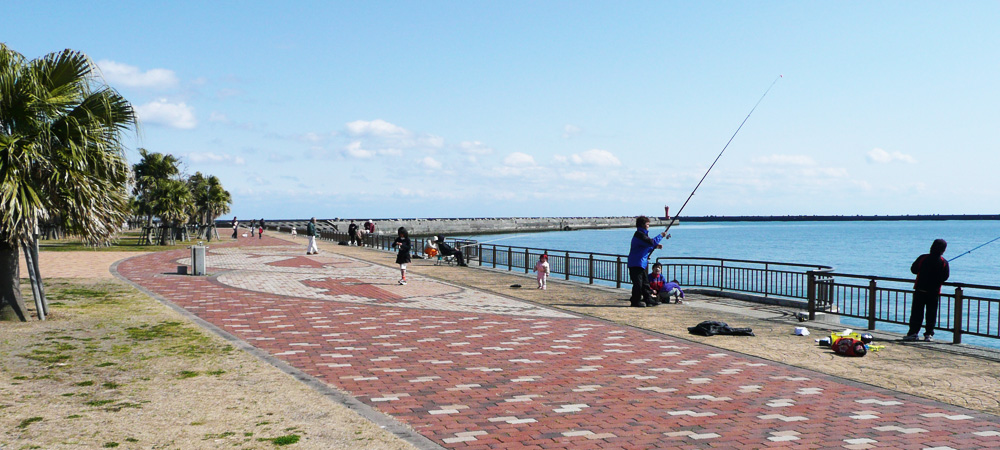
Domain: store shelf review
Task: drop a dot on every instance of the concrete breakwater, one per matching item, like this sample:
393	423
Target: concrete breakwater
466	226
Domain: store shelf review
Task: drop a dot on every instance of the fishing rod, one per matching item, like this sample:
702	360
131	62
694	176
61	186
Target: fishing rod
667	210
977	248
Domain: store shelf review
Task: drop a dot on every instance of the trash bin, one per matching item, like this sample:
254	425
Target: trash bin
198	259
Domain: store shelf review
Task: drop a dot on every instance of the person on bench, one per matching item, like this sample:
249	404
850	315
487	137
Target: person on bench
446	250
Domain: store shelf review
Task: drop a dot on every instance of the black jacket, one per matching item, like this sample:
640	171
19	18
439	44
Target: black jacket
931	272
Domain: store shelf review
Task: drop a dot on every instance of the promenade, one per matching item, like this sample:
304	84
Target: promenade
467	362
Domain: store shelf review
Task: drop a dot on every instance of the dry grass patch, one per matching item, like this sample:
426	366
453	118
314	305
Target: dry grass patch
113	368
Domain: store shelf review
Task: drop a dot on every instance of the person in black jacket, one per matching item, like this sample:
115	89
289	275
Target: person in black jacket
932	271
352	234
446	250
402	242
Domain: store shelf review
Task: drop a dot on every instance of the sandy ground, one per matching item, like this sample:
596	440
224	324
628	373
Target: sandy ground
114	368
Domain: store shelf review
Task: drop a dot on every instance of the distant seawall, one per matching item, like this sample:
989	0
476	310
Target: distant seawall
449	227
841	218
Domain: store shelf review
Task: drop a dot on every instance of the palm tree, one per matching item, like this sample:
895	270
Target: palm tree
152	168
210	201
172	203
60	150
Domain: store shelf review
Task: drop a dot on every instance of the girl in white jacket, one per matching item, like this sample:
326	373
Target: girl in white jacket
542	270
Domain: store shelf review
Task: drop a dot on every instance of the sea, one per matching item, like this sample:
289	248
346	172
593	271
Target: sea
879	248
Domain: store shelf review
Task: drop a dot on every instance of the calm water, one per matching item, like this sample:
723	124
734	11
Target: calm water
867	248
864	248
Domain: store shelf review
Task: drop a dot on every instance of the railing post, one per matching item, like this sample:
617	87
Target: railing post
767	279
872	297
510	258
494	256
618	273
811	293
567	265
480	253
722	275
525	260
956	325
590	268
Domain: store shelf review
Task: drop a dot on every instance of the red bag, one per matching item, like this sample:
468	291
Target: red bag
849	347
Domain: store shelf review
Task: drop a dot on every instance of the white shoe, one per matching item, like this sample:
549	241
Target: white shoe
402	282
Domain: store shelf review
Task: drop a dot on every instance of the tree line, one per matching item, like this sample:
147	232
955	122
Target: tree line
63	167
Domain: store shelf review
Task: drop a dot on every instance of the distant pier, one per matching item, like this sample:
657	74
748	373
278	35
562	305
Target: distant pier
467	226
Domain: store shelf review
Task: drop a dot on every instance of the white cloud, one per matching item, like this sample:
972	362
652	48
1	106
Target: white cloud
518	159
786	160
430	163
354	150
475	148
879	156
175	115
218	117
570	131
377	127
575	176
123	74
213	158
595	157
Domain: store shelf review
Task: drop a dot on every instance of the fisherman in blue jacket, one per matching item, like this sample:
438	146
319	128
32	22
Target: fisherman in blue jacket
638	256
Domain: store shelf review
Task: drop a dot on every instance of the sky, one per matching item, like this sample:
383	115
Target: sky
557	108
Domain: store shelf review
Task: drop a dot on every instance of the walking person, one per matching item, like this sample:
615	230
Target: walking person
542	270
402	243
638	256
260	229
312	249
932	271
236	226
253	227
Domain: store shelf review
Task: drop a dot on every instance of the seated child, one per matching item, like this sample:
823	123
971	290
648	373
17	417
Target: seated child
662	290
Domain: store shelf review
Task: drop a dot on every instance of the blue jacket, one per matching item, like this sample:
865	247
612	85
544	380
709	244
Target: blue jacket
642	246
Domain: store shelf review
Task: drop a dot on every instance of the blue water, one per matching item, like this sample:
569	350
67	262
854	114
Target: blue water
880	248
885	248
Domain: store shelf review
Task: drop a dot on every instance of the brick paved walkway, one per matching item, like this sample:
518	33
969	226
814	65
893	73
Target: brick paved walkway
475	370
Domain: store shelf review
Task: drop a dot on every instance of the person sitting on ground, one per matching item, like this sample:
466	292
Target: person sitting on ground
656	282
430	248
446	250
672	289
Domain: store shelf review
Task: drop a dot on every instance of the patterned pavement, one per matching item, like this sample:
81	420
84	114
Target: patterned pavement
474	370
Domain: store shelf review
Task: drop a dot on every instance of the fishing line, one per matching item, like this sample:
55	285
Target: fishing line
977	248
720	153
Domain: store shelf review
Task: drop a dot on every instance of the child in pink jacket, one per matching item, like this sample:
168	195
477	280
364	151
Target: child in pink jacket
542	270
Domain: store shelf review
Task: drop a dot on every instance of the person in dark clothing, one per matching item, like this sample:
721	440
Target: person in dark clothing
260	228
638	260
932	271
352	234
446	250
402	242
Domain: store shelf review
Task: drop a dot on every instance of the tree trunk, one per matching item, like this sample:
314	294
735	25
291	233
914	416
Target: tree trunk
11	303
33	279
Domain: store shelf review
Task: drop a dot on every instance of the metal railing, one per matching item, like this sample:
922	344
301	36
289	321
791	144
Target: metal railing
964	309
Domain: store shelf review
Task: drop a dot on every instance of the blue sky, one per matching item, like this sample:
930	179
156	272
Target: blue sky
488	109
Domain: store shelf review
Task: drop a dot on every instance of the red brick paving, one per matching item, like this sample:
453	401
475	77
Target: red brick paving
484	381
